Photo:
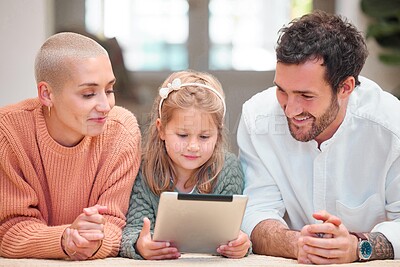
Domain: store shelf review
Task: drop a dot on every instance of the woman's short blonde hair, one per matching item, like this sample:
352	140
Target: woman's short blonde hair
51	60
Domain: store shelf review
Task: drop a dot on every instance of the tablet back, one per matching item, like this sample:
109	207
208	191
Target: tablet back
199	223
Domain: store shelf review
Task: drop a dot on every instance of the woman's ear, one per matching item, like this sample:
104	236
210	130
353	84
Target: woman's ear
45	94
161	133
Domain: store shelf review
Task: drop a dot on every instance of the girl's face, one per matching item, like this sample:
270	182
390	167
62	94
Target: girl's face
190	137
81	106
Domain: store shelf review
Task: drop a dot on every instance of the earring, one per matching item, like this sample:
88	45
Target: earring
49	109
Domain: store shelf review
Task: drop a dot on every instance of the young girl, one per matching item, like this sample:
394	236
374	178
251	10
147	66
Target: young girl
184	151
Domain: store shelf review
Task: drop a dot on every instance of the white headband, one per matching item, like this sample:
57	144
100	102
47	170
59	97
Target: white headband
176	85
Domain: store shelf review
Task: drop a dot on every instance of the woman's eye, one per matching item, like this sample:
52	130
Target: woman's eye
111	91
182	135
89	95
204	136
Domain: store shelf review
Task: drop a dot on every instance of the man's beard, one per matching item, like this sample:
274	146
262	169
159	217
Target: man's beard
318	125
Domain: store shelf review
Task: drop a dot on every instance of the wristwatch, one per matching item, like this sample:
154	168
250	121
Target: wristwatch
364	247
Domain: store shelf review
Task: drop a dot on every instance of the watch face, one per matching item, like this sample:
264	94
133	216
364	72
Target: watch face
365	250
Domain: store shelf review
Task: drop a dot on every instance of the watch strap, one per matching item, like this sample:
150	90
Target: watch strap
360	236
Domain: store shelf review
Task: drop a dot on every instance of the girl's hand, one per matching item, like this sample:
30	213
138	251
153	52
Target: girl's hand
237	248
153	250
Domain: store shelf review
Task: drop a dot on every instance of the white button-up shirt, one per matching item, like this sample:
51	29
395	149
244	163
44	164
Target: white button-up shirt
355	175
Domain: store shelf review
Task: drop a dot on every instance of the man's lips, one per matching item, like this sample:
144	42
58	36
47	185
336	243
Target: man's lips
301	120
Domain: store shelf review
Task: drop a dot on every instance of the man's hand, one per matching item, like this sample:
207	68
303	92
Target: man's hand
326	243
154	250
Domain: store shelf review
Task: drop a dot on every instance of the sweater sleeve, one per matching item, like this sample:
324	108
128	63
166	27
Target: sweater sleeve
141	205
231	178
120	174
26	227
23	228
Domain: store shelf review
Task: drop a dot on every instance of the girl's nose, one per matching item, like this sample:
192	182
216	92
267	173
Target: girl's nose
193	146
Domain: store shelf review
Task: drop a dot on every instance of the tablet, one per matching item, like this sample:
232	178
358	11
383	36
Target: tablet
199	223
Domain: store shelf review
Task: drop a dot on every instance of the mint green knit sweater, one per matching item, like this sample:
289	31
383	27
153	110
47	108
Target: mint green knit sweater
143	203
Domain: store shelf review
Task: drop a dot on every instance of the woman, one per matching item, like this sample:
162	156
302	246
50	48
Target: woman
69	158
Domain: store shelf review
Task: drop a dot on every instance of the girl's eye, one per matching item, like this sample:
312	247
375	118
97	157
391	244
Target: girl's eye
182	135
204	137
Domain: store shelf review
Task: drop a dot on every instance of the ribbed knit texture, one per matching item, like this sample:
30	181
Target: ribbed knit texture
44	186
144	203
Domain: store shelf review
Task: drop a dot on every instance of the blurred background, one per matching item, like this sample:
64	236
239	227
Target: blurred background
148	39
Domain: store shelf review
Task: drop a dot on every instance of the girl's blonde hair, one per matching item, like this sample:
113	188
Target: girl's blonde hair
157	167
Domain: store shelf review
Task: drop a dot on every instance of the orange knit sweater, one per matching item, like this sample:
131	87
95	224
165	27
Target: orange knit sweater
45	186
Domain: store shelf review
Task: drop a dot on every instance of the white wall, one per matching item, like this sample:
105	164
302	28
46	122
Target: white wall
24	25
388	77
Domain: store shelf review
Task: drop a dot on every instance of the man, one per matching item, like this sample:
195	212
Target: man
321	151
69	158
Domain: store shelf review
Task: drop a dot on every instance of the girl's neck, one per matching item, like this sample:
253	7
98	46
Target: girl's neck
180	186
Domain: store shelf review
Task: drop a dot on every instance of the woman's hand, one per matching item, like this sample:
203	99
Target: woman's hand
237	248
85	235
78	247
154	250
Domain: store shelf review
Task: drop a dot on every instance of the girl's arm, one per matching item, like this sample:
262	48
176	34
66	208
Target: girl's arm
140	206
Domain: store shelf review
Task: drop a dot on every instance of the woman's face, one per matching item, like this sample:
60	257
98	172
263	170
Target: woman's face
81	105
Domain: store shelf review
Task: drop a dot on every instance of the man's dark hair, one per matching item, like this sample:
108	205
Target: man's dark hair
320	35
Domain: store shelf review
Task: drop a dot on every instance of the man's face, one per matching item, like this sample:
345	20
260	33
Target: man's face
307	99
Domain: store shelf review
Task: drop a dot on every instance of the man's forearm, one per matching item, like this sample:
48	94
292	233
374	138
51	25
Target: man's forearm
271	237
382	248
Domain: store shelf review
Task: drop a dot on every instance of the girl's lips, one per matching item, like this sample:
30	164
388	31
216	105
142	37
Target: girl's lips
190	157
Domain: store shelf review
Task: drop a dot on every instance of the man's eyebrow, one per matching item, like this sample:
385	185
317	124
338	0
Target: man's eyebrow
295	91
277	85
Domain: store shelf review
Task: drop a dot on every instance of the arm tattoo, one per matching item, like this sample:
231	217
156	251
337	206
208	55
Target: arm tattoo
382	248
